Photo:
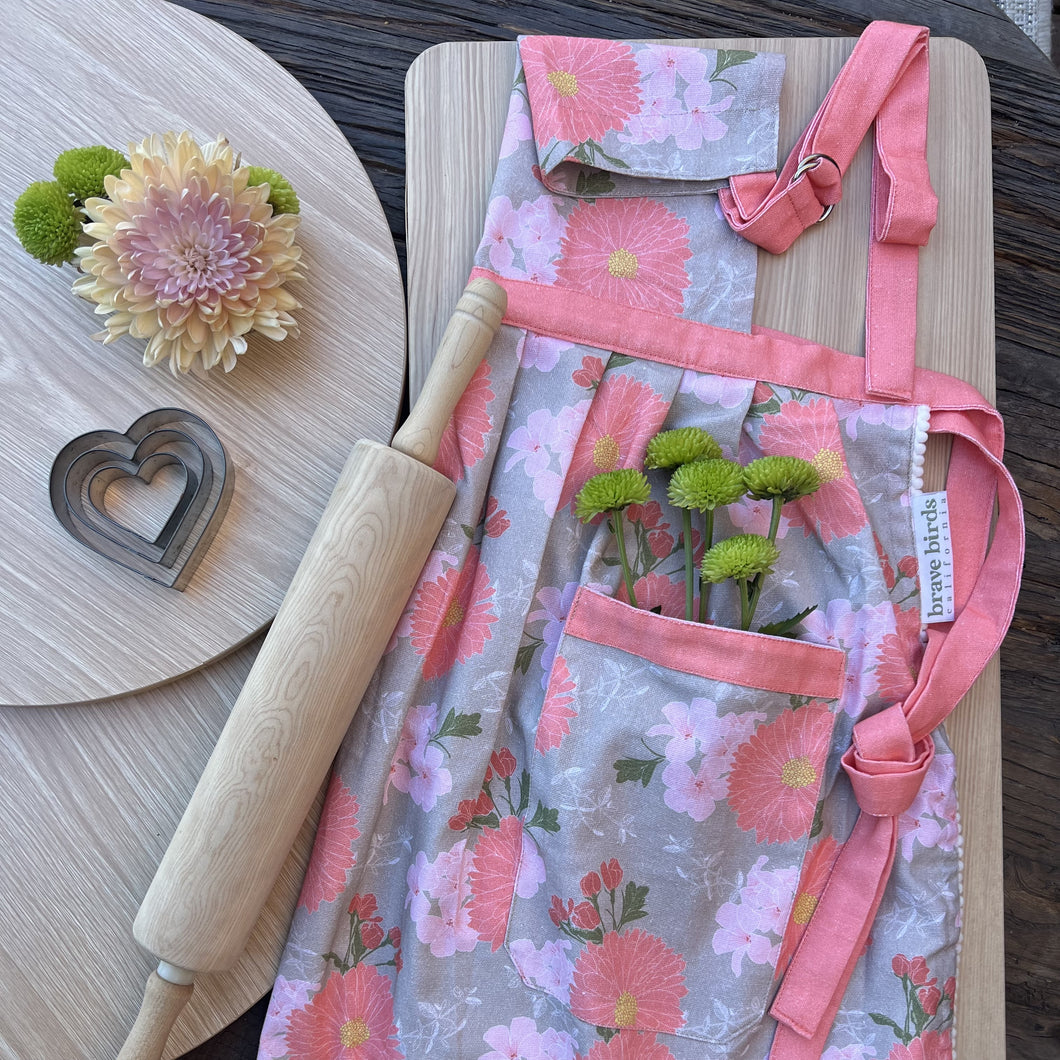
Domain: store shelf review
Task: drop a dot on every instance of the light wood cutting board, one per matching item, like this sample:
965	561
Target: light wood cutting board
456	104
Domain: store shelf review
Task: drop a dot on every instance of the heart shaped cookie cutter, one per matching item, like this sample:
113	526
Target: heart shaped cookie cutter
87	466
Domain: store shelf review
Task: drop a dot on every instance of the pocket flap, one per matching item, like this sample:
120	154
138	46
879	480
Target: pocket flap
618	119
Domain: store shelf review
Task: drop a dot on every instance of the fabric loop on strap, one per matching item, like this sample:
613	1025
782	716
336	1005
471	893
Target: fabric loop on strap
885	767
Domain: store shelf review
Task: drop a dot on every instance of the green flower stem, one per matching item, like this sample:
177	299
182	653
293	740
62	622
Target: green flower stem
686	530
620	535
774	519
746	610
704	585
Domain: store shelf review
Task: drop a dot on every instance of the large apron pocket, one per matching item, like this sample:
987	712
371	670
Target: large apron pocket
685	762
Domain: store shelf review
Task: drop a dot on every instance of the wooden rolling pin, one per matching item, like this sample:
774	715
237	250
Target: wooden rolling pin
285	728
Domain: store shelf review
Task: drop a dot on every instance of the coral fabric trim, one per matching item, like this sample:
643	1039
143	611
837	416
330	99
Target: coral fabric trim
754	660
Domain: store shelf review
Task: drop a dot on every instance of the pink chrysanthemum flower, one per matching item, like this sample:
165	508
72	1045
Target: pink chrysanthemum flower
188	256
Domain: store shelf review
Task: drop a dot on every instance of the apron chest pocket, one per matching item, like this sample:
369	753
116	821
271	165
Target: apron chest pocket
685	762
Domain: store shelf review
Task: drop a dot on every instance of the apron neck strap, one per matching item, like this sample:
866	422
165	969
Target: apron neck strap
885	81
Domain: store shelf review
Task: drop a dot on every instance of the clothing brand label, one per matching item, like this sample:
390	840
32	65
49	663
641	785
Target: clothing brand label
931	525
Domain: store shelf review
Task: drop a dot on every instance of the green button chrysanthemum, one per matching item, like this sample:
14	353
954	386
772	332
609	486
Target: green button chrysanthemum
611	491
680	446
47	223
740	557
81	171
785	478
706	484
282	197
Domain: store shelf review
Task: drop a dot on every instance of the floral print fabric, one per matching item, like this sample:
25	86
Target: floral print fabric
612	118
538	845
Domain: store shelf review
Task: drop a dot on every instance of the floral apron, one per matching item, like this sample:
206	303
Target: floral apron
562	826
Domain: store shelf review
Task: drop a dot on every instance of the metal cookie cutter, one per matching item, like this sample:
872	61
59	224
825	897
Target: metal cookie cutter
86	467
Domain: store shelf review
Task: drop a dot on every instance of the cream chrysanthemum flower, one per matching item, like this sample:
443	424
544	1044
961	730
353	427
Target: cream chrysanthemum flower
188	256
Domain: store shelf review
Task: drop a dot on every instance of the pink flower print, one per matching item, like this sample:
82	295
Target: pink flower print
542	439
776	775
463	442
502	226
555	604
690	726
351	1018
539	265
541	352
859	632
332	857
656	119
590	373
452	616
630	980
931	820
519	1041
417	901
448	933
556	712
657	591
287	995
497	875
497	520
623	416
428	778
661	63
702	124
630	1045
629	251
897	417
717	389
579	89
932	1045
540	226
738	934
752	517
811	431
549	969
695	793
533	443
769	892
517	128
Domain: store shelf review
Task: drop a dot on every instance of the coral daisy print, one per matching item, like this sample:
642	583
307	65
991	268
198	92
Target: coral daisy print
624	414
630	251
333	856
776	774
811	431
351	1018
452	616
579	89
463	442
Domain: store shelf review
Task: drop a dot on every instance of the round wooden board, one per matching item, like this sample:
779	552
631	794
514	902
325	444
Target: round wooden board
75	627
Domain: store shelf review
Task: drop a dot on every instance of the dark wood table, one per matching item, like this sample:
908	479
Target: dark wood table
353	56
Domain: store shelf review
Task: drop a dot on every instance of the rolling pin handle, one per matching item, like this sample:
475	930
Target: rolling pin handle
163	1002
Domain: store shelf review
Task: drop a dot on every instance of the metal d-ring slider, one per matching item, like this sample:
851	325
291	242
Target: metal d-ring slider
812	162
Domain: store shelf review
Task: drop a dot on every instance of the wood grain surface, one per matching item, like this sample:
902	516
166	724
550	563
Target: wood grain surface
74	626
353	56
456	101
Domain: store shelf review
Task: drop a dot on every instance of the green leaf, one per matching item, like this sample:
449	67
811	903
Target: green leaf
730	57
785	627
525	655
593	182
524	792
485	820
459	725
884	1021
633	899
544	818
818	821
766	408
642	769
617	360
607	1033
596	935
469	531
